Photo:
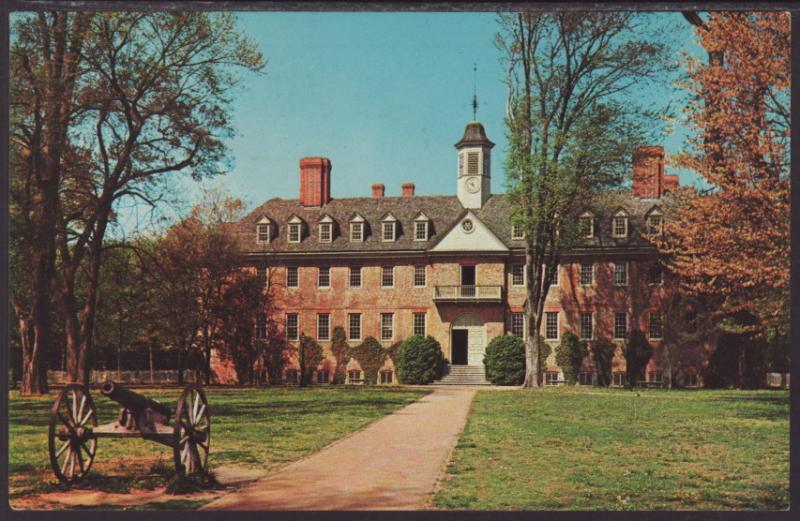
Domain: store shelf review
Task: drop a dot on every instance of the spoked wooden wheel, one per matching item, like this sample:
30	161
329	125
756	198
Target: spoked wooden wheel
192	432
71	442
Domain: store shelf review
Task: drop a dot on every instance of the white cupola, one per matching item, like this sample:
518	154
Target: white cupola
474	164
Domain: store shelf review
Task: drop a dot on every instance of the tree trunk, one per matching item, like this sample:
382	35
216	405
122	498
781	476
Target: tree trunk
207	354
34	372
180	363
152	367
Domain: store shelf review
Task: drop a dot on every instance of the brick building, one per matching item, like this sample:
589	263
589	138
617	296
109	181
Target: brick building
451	266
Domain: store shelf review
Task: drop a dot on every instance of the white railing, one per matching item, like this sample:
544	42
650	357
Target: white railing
467	293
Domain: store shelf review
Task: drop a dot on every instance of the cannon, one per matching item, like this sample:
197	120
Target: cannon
74	430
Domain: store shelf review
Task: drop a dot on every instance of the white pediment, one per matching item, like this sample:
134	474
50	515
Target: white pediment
470	234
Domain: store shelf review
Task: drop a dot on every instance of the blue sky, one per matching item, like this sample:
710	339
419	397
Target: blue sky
383	95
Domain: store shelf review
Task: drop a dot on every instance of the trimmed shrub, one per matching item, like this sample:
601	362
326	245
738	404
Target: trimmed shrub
637	353
603	354
504	360
420	360
569	356
309	356
370	355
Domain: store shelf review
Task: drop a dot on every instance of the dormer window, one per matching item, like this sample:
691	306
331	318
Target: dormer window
263	231
517	233
586	225
295	229
389	228
655	223
421	227
326	229
619	224
357	229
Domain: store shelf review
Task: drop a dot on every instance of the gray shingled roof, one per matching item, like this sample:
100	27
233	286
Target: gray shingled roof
443	212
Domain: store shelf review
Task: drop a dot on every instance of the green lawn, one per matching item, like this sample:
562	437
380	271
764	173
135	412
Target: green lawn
253	427
605	449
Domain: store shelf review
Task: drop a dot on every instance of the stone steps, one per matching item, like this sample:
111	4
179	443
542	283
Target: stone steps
464	375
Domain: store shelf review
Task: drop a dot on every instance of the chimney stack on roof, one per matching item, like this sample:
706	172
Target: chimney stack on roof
408	189
377	190
648	172
315	181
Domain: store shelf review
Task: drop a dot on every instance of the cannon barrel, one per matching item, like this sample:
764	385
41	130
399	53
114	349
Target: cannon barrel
131	400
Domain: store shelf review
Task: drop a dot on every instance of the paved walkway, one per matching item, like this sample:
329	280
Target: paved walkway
393	464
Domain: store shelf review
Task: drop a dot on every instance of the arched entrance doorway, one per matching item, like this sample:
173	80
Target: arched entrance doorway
467	341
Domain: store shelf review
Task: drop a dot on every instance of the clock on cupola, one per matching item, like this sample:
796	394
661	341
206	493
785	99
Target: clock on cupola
474	160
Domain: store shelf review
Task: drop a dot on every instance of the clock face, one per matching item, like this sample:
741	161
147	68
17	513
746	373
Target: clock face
473	185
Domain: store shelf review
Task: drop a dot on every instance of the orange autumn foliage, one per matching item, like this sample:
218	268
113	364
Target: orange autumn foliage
731	244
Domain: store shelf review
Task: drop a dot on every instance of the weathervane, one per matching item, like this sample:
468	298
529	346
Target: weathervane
474	91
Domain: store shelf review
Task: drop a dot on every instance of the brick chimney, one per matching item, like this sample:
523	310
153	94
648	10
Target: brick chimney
408	189
315	181
671	183
648	172
377	190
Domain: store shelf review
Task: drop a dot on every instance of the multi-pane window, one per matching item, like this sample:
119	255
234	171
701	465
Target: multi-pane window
353	375
387	276
586	326
518	324
292	376
517	233
292	278
690	379
388	231
354	321
261	326
586	227
473	162
387	326
323	326
356	232
355	276
620	325
420	280
655	377
587	274
619	226
551	378
421	231
386	377
553	272
656	326
551	325
419	324
263	232
294	232
586	378
324	277
291	326
620	273
263	276
619	378
325	232
517	274
323	376
655	275
654	225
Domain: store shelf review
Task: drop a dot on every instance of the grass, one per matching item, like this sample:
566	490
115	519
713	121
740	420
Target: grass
252	427
606	449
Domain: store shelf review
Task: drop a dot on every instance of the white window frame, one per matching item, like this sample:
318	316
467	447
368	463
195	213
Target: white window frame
589	217
353	269
350	374
327	335
393	225
424	276
263	229
660	272
296	269
326	229
614	325
296	326
390	379
262	274
655	212
627	273
294	229
390	327
650	325
517	233
414	317
558	325
383	271
620	215
521	316
655	377
319	277
350	317
582	376
551	381
580	273
591	325
327	376
357	226
615	375
421	225
514	284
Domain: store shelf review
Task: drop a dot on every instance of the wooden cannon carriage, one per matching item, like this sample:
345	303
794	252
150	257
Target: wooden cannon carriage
74	431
